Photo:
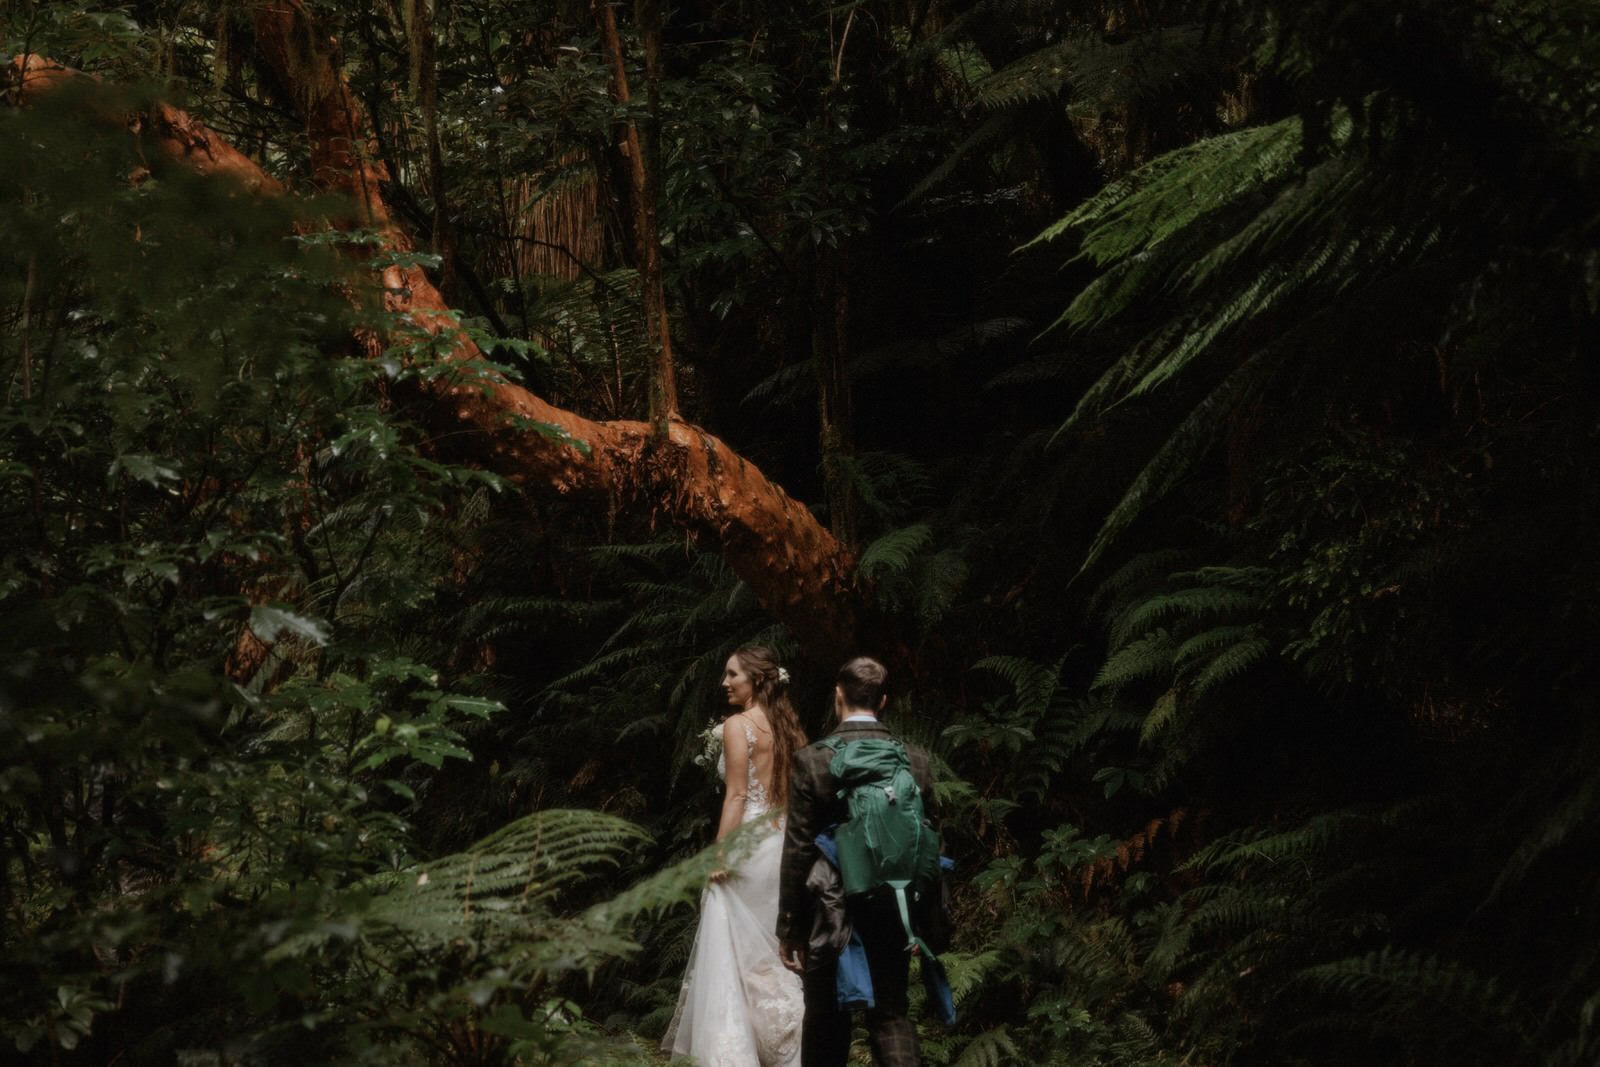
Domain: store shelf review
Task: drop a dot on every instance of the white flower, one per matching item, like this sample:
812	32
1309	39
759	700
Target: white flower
710	745
783	675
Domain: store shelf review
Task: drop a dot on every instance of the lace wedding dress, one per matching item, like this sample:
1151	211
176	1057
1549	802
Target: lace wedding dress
739	1006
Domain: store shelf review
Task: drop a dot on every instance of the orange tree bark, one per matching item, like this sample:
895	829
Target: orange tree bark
797	569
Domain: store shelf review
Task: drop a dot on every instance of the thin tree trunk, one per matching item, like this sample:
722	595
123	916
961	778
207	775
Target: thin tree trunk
427	91
642	194
830	353
797	569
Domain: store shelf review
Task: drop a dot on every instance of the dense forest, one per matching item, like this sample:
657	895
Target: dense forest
409	406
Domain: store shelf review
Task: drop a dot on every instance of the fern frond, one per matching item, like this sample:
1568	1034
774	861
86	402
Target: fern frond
1232	662
992	1048
1033	683
886	482
512	875
1235	909
1395	985
1101	71
1197	602
1148	657
1099	720
1168	934
939	580
782	385
967	972
892	553
1578	814
605	666
1136	573
1161	715
1207	643
1172	191
1136	1041
1322	194
1298	843
678	884
990	130
1190	441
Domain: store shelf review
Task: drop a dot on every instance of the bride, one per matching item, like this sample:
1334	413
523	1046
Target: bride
738	1006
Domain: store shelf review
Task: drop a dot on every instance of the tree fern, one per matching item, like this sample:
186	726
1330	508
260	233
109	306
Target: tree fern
1160	199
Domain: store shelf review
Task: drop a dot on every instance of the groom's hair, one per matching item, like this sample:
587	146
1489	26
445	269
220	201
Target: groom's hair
862	681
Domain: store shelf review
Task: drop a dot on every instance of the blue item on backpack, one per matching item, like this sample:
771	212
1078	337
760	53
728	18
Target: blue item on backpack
852	977
937	985
852	987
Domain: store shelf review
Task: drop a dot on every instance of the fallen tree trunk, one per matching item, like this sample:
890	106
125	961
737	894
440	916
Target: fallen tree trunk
798	570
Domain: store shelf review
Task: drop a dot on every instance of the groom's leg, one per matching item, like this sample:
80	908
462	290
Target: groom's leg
889	1029
825	1031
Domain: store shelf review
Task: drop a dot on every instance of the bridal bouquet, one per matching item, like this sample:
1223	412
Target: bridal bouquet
710	747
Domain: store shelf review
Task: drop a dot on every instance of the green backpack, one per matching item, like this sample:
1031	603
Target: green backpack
886	843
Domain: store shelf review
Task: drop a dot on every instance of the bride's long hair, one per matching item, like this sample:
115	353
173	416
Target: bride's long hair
770	685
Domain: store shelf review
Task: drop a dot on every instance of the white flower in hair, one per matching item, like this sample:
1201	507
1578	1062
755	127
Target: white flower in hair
783	675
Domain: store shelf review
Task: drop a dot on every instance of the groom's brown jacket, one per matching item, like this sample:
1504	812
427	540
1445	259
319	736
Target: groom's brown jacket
814	806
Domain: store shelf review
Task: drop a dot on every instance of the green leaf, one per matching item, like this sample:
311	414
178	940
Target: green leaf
268	621
148	469
479	707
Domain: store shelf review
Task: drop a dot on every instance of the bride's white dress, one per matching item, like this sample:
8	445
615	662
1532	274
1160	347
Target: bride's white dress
739	1006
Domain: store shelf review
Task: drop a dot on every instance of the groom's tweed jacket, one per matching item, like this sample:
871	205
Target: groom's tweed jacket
813	807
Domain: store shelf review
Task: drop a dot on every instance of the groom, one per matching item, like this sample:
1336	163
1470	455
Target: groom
814	807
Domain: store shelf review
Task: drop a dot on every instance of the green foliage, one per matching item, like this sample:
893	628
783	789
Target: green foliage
213	746
322	748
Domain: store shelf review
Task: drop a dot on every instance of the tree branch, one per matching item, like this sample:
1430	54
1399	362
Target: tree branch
797	569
